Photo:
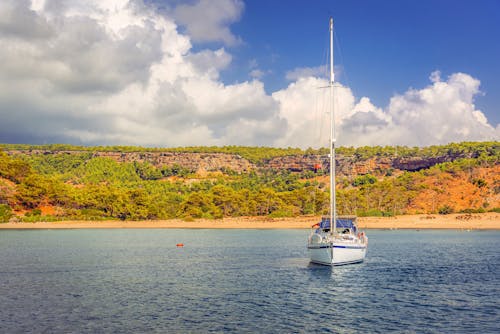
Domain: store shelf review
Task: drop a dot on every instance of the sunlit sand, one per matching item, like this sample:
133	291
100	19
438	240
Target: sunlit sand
483	221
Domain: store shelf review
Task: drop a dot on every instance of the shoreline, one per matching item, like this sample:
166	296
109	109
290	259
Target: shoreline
478	221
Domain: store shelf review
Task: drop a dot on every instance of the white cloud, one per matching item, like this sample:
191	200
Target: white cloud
210	62
257	74
303	72
441	112
435	76
118	72
207	20
437	114
255	71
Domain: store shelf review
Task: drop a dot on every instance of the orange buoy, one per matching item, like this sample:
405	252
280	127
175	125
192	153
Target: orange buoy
180	245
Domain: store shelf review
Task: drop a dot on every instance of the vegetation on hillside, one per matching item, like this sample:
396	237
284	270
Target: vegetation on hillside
262	154
80	186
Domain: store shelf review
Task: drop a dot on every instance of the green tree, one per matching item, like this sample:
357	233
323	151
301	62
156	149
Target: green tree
267	201
5	213
13	169
226	199
199	205
146	171
32	191
364	180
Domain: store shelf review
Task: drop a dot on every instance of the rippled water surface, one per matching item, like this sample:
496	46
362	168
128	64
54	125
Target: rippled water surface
111	281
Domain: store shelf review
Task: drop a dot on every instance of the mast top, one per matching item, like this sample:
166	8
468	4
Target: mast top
332	75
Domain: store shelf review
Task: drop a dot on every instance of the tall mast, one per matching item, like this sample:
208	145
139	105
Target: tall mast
333	204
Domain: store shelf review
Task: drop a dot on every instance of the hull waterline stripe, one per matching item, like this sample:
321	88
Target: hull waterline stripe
337	264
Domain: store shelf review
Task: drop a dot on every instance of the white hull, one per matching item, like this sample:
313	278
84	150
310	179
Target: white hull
321	253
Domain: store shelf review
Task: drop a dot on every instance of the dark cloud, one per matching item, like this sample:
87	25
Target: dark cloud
362	122
19	21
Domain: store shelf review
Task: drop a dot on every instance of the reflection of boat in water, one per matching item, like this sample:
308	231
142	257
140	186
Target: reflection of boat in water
341	243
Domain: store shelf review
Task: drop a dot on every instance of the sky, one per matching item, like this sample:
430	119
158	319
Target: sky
232	72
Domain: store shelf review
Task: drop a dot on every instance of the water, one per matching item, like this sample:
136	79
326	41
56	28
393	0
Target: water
260	281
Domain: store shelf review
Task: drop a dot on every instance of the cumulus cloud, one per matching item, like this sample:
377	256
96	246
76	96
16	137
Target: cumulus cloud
207	20
440	113
210	62
304	104
304	72
119	72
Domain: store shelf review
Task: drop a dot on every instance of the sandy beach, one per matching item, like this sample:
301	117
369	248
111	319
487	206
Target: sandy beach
483	221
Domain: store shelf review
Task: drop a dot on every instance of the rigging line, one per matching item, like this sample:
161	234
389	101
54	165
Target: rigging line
322	118
319	116
344	70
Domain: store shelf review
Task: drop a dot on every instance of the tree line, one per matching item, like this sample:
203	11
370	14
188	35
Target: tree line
80	186
260	155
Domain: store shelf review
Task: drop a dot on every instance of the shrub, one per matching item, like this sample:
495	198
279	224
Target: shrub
480	210
364	179
34	212
283	212
445	210
5	213
479	183
47	218
370	213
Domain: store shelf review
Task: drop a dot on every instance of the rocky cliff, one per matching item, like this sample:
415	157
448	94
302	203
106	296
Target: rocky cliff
350	165
210	162
198	162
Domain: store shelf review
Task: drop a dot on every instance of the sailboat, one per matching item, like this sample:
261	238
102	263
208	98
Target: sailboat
339	243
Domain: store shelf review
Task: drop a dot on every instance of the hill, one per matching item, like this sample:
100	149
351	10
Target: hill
52	182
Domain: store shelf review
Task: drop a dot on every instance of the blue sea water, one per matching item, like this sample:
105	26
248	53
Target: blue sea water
245	281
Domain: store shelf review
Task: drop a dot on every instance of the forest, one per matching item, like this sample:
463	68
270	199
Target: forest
80	186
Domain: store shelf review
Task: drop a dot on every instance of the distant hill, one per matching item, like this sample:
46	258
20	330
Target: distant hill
74	182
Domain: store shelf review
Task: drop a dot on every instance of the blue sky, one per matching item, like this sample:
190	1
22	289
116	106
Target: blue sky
387	46
246	72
